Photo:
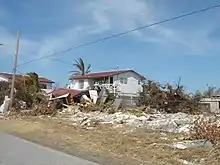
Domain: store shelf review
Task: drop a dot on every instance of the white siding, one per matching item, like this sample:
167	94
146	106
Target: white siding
75	84
3	79
48	85
132	87
213	102
90	83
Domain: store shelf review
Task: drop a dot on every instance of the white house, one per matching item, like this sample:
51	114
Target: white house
122	82
44	83
213	102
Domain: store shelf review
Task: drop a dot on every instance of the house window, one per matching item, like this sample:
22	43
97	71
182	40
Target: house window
81	84
43	86
123	80
111	80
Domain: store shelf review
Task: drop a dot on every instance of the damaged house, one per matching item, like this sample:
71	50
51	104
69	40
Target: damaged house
213	102
120	82
45	84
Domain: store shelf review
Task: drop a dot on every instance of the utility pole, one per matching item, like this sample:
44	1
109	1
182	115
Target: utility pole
116	85
14	70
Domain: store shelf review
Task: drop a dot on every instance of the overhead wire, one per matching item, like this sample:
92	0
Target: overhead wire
58	60
123	33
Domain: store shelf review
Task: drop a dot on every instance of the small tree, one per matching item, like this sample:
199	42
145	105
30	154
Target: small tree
197	96
209	92
28	90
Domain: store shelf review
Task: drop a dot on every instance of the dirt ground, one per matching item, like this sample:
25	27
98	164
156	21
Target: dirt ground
107	145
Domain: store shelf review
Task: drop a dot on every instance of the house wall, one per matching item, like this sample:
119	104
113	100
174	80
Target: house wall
132	88
48	85
214	104
3	79
75	84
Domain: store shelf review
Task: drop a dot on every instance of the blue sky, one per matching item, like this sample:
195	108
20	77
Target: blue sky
188	48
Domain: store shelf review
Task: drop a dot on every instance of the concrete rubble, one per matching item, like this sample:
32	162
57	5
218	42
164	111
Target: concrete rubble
176	122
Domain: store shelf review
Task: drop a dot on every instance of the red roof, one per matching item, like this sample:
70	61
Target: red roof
20	78
45	80
63	91
101	74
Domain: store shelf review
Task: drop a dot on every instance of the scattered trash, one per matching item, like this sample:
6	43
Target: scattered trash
93	95
185	128
185	162
161	121
192	144
23	104
88	100
117	103
4	107
102	96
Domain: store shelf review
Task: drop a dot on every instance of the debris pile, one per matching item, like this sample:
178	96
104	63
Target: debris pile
168	98
40	109
207	128
169	122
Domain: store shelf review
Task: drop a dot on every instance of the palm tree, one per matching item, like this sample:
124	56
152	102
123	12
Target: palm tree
80	67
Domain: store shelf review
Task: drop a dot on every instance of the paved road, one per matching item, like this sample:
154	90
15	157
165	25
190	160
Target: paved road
16	151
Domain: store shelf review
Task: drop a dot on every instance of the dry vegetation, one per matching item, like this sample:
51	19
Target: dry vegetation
169	98
206	129
4	90
28	91
107	145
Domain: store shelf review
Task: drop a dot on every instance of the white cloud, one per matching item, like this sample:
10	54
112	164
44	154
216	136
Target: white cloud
187	42
118	16
109	17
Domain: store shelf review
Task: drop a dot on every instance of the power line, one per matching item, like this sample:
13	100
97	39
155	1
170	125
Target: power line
58	60
124	33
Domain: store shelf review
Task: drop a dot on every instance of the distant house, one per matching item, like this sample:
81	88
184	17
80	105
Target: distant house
122	82
213	103
44	83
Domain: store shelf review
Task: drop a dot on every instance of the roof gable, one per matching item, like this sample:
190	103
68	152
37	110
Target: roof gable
103	74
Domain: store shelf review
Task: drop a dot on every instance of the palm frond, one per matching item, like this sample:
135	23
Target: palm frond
80	68
88	69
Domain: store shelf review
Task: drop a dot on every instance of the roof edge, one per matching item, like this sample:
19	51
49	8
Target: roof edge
3	74
120	72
